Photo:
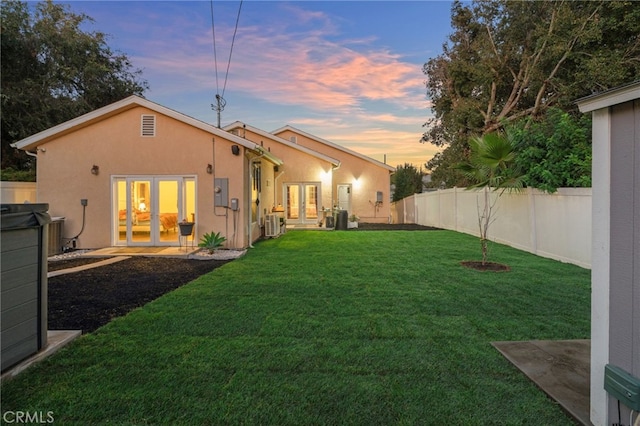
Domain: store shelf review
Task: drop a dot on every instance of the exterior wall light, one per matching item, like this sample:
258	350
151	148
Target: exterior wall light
210	169
95	170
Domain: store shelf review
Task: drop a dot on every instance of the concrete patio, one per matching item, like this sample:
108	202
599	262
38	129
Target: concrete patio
561	368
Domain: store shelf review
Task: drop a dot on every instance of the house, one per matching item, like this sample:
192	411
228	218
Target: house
129	173
615	300
319	177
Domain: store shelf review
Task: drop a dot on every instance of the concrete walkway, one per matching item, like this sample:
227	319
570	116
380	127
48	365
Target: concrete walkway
561	368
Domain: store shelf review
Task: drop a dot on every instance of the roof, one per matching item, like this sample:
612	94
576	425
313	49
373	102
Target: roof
609	98
333	145
32	142
238	125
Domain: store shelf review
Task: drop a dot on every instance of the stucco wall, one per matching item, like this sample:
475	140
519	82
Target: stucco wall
365	177
298	167
117	148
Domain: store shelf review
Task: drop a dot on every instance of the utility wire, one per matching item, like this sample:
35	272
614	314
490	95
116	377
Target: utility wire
231	50
215	56
220	102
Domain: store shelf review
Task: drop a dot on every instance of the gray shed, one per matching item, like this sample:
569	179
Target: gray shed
615	300
23	285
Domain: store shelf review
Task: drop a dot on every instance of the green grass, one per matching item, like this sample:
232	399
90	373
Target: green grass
324	328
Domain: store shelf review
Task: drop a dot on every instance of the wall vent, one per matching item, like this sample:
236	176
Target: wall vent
148	125
294	139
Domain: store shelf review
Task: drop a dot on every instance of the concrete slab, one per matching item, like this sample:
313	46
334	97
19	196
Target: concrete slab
56	339
143	251
561	368
89	266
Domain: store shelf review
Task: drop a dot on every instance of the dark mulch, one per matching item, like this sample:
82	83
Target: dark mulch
487	266
393	227
91	298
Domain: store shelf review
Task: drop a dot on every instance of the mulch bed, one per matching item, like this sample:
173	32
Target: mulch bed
393	227
91	298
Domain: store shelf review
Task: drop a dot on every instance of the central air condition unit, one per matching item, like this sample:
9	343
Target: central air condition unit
272	225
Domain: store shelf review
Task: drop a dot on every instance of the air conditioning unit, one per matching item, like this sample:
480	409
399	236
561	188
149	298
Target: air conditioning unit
272	225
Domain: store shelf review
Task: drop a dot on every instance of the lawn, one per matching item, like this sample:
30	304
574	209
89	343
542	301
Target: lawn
323	328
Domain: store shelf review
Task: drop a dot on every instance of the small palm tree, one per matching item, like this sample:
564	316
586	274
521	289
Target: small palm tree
491	166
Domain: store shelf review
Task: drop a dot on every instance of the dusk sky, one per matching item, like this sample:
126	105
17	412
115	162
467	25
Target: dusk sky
349	72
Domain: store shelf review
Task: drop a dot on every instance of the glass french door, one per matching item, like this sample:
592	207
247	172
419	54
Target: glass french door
302	203
147	210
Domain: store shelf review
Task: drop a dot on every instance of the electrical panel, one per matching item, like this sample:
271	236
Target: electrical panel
221	192
622	386
379	197
235	206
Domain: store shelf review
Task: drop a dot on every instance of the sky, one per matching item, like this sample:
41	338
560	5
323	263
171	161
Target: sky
346	71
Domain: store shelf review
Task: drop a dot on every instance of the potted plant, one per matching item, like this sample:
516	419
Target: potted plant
212	241
353	221
186	228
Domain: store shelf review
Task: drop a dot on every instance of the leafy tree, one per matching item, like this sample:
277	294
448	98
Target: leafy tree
554	152
509	60
491	165
407	180
52	71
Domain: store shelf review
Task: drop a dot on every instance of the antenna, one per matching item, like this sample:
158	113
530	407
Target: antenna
218	107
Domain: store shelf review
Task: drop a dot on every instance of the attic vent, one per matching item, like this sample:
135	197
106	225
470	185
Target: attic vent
148	125
235	132
294	139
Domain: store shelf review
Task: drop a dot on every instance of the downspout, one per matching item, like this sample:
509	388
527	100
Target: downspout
275	186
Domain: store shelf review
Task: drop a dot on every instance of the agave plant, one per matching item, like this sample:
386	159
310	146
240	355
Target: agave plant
211	241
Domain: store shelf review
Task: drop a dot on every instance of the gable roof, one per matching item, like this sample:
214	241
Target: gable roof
335	146
617	95
126	104
239	124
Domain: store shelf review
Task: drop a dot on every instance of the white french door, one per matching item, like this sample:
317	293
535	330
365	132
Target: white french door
301	200
147	209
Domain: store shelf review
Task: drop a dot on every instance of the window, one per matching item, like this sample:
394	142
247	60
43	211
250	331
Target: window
148	125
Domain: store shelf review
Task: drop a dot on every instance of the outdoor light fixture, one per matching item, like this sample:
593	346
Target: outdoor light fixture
209	169
235	149
95	170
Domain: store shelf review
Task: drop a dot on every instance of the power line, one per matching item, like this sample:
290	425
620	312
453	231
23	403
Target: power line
220	102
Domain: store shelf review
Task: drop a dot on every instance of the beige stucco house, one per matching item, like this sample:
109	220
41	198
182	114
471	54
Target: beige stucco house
320	177
127	174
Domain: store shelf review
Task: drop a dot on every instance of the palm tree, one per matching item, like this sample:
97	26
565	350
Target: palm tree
491	166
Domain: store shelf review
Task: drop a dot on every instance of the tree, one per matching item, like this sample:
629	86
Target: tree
52	71
407	180
509	60
491	165
554	152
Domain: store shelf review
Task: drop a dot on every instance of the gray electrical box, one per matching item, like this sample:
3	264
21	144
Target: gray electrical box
221	192
378	196
622	386
234	204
